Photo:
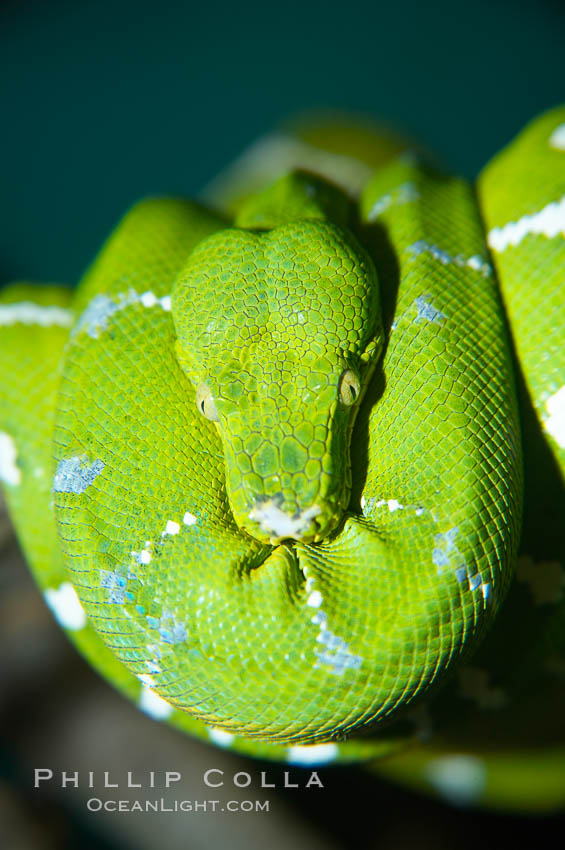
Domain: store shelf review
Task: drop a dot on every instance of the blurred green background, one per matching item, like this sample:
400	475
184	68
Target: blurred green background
102	103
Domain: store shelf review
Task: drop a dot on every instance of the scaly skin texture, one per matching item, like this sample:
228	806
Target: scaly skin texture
284	453
297	312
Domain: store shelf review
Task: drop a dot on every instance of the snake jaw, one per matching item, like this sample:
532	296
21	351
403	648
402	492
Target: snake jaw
280	525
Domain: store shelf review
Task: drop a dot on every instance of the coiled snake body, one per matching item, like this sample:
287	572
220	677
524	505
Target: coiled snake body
282	448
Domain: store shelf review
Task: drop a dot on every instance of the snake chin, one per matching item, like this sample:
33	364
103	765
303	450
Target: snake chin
277	525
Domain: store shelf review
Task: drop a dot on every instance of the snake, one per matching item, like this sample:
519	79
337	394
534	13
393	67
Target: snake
287	464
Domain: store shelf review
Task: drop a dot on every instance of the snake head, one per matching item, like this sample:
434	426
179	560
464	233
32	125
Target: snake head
279	332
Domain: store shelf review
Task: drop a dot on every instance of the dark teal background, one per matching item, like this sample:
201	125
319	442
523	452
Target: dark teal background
105	102
102	103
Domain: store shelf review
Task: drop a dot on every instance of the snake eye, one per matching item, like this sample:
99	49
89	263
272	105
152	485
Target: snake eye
205	403
349	387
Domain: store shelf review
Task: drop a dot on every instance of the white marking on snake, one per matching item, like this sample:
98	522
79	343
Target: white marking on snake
315	599
394	505
10	473
403	194
149	299
444	548
447	554
478	264
278	524
171	527
555	423
146	679
28	313
557	138
143	557
115	584
312	753
545	579
427	312
171	631
65	605
94	319
336	654
75	474
154	705
188	518
460	778
475	262
549	222
220	736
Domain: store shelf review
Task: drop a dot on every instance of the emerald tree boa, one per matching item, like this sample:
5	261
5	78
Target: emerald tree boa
288	464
